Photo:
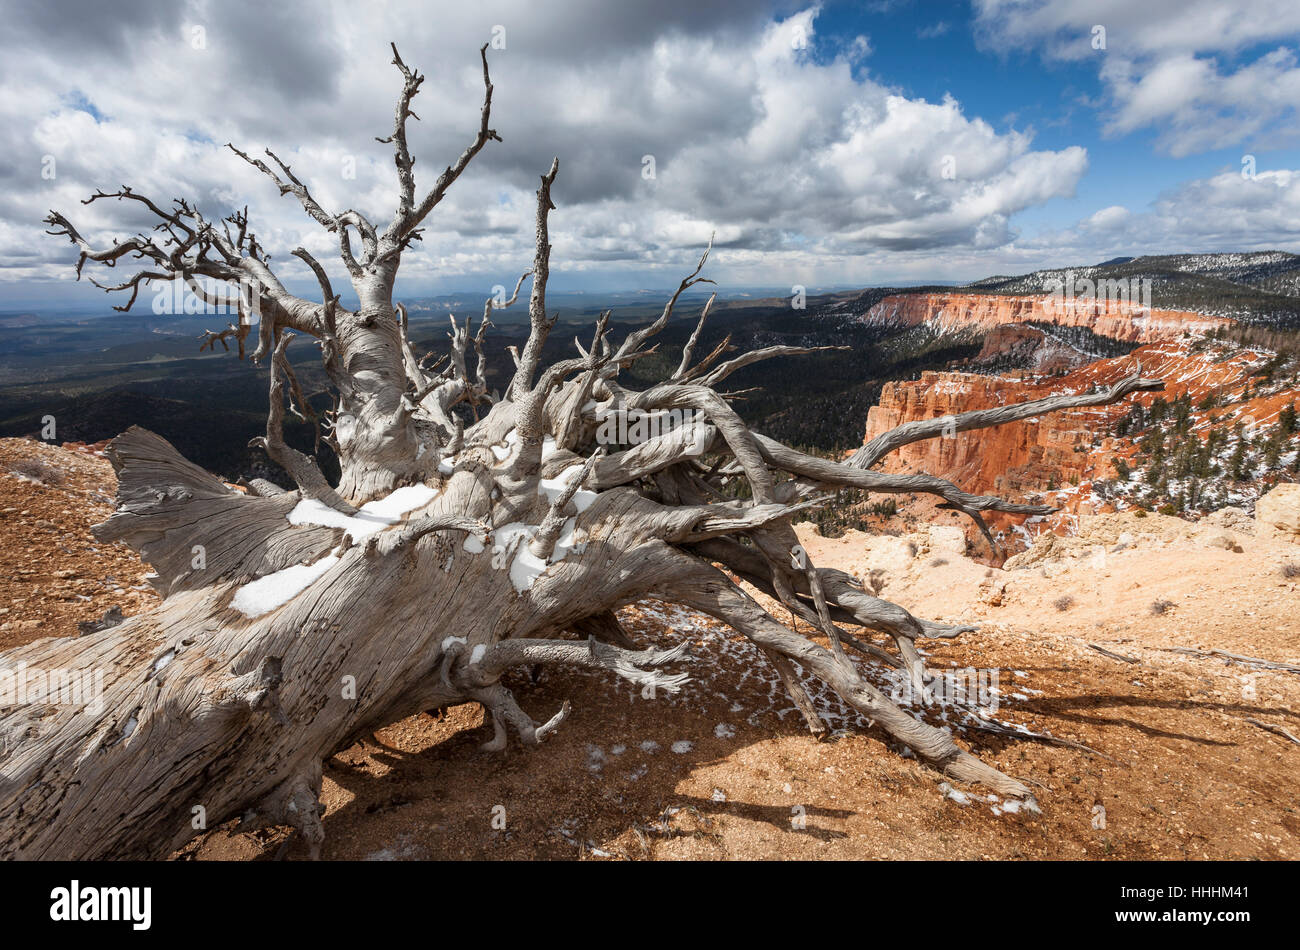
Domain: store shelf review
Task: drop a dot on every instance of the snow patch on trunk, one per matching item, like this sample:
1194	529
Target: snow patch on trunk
373	517
552	488
274	590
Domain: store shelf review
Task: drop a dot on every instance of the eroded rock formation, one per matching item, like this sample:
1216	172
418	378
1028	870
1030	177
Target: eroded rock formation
1115	319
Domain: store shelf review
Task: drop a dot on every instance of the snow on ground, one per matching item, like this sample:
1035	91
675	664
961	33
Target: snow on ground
721	663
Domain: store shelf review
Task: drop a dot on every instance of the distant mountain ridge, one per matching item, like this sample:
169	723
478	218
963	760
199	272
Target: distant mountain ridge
1255	287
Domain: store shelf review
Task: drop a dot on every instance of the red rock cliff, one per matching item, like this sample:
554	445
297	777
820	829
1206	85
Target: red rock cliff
1063	449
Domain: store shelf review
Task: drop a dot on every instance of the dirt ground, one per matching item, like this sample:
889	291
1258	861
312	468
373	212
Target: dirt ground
53	574
726	768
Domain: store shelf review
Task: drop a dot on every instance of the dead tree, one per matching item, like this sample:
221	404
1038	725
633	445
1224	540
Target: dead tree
446	555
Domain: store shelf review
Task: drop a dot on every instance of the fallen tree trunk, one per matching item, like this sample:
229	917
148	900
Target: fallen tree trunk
207	714
206	708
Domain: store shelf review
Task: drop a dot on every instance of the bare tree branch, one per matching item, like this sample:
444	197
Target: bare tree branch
688	352
541	271
636	338
301	468
403	225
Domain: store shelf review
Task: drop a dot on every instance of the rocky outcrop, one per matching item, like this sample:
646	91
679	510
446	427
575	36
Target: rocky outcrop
1280	510
1112	318
1020	345
990	457
1062	455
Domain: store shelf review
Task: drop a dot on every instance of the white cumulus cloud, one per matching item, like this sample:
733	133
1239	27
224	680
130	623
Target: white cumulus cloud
1202	73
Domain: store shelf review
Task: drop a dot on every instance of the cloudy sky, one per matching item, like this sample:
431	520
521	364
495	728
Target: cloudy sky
852	143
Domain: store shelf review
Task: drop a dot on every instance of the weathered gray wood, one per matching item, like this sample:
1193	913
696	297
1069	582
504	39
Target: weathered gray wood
1236	658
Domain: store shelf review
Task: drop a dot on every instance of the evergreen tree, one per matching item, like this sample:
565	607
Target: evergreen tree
1237	464
1286	419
